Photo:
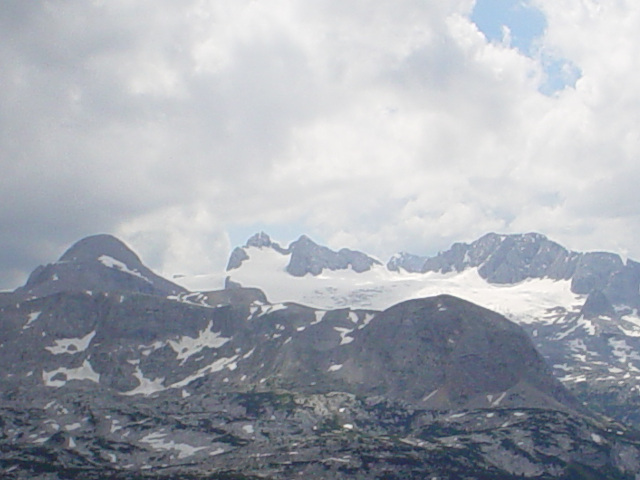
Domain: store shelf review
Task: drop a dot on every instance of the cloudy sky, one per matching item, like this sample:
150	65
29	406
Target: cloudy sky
385	125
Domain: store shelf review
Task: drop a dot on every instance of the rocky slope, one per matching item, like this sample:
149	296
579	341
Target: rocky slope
580	309
116	382
594	348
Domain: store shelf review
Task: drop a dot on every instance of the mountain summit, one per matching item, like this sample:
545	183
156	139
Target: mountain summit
509	259
304	256
97	263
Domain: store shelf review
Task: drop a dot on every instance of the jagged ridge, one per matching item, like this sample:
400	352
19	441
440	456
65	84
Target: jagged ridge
306	256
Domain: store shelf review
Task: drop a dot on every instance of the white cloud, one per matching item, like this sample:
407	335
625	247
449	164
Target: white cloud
383	125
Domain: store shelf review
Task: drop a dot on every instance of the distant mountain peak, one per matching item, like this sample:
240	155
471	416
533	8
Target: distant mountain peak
259	240
95	246
512	258
306	256
97	263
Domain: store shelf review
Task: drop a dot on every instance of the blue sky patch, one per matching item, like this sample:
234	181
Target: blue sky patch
560	73
526	24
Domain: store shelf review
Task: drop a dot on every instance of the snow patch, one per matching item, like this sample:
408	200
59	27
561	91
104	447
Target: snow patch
427	397
186	346
527	302
248	429
630	324
33	316
271	308
71	345
622	351
216	366
587	325
497	401
367	319
111	262
344	332
146	386
157	441
319	316
84	372
146	350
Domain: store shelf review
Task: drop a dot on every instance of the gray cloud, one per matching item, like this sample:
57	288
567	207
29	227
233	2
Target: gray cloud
381	126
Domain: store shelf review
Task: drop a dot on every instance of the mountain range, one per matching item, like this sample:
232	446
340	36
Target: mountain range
580	309
111	371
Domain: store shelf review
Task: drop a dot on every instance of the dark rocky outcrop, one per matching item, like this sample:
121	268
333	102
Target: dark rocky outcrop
596	305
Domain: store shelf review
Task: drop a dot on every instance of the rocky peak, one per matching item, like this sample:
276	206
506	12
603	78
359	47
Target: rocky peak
506	259
514	258
259	240
306	256
309	257
96	246
405	261
499	258
596	305
97	263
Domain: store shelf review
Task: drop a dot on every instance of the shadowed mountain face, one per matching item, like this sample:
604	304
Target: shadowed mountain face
132	378
444	352
97	263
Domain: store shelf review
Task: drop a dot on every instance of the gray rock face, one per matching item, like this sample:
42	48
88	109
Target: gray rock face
259	240
309	257
180	388
406	261
594	271
508	259
282	435
502	258
444	351
238	255
305	256
596	305
623	285
97	263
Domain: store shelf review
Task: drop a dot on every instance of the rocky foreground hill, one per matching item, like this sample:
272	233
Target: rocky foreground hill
110	371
